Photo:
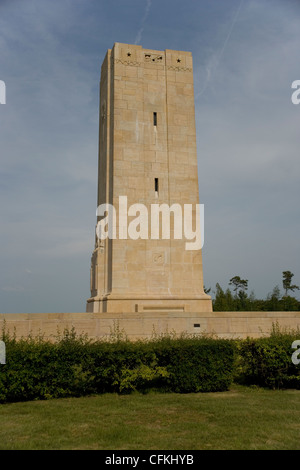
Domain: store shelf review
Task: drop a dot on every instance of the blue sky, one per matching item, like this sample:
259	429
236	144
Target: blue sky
246	56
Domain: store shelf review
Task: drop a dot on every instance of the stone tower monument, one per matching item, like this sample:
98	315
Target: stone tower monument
147	158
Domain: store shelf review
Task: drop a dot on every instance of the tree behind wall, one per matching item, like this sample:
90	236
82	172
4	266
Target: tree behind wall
287	282
240	301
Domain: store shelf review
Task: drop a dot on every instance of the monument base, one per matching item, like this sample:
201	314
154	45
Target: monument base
143	304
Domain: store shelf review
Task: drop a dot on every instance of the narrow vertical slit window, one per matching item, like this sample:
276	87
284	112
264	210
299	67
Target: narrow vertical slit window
156	186
155	119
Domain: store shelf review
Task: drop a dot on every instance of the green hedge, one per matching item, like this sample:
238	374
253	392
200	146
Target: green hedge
197	365
267	361
72	366
75	366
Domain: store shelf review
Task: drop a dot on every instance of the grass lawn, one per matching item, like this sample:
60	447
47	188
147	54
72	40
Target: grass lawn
242	418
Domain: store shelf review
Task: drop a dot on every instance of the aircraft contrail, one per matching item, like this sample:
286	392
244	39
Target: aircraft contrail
209	70
140	32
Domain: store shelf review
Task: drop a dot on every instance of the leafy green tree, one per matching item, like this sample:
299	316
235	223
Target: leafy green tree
219	302
223	301
272	302
240	301
287	282
230	301
239	284
290	304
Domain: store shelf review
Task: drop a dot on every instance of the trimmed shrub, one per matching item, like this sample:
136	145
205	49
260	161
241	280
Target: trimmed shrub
196	365
75	366
267	361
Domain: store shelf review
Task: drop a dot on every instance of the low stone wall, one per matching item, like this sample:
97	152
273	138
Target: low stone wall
148	324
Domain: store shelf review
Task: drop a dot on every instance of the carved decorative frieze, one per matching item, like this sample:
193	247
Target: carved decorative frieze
178	68
155	59
127	62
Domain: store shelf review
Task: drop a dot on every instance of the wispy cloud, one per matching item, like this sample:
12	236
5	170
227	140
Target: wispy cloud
14	289
140	32
214	60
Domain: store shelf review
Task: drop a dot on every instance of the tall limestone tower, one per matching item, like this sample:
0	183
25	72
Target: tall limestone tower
147	156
